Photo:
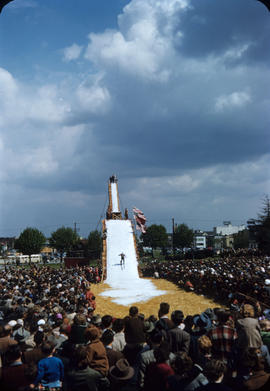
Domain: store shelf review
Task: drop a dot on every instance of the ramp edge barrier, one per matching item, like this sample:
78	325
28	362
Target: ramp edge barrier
104	251
136	250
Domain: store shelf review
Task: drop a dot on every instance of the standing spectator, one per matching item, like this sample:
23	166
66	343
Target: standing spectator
113	355
248	329
50	369
157	372
80	376
119	340
121	377
14	374
134	335
223	337
215	371
179	339
188	377
96	353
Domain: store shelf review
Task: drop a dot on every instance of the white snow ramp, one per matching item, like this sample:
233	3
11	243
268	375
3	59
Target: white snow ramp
126	286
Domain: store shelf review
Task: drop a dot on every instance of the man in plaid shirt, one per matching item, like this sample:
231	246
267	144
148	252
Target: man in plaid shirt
223	337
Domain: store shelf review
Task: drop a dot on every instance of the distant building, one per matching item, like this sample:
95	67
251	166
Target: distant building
199	239
228	229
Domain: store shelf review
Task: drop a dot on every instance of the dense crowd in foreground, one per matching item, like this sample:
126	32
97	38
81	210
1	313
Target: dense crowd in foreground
52	338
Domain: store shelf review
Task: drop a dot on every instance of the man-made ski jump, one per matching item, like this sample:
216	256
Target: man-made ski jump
123	277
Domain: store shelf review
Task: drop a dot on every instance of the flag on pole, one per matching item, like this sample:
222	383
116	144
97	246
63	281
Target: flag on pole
140	220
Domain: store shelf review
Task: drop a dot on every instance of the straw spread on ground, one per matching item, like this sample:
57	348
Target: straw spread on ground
189	302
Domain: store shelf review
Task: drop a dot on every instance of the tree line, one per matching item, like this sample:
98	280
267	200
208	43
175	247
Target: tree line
63	240
66	240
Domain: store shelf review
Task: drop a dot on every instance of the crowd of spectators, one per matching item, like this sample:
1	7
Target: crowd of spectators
52	337
222	278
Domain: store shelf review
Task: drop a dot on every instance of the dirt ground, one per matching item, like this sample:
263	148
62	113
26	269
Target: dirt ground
188	302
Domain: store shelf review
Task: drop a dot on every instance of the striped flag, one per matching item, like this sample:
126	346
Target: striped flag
140	220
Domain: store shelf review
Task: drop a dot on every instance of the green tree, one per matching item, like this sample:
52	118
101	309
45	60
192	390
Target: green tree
241	239
94	244
259	229
155	236
264	226
183	236
30	241
63	239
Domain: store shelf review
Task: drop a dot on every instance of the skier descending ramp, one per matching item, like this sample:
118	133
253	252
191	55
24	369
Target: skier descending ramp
126	285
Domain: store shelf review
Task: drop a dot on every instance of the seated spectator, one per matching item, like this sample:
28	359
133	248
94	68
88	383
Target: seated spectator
96	353
188	377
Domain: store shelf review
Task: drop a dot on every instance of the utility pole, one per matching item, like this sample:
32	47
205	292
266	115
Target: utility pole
75	227
173	235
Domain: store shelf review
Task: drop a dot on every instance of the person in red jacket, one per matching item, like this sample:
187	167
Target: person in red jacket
90	297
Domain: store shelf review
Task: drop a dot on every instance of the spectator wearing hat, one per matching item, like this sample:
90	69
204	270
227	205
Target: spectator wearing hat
97	321
223	337
20	334
107	340
179	339
121	376
96	353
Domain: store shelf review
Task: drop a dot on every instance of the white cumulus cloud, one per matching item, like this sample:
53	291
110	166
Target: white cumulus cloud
235	99
72	52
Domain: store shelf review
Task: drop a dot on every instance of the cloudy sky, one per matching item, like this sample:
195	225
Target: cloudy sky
172	96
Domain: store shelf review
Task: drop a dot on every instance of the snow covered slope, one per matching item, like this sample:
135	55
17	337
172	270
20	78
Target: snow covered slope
126	286
115	206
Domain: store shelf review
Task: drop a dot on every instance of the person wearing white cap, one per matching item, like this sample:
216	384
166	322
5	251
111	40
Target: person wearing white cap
12	323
